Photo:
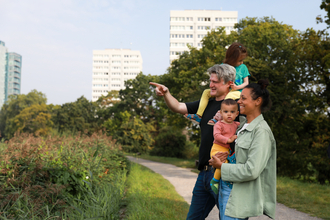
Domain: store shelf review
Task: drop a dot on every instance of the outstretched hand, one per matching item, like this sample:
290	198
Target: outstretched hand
160	89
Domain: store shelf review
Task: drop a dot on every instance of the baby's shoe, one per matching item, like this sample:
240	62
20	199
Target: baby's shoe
212	122
215	185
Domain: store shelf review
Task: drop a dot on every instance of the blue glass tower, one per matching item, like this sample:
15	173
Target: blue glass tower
10	73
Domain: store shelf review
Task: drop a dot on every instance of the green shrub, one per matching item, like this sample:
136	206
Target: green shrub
42	176
191	150
169	143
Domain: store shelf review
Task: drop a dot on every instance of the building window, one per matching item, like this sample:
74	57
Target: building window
230	20
177	27
189	18
189	36
177	36
116	61
177	19
116	56
204	19
177	44
176	52
204	27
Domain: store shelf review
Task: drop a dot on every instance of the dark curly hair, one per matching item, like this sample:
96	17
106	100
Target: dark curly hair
260	90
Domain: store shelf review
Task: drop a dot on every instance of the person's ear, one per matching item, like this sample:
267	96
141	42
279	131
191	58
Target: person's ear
258	101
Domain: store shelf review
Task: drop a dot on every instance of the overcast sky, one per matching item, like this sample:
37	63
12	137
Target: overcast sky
56	37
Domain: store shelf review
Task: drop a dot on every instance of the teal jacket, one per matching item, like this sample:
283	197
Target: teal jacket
254	174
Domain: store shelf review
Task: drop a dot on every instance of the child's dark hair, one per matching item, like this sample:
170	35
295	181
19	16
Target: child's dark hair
234	52
229	102
260	90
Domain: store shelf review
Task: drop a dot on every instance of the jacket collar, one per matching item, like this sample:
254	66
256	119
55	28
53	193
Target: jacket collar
252	125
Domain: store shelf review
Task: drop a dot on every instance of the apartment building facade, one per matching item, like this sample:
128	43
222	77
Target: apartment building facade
10	73
188	27
112	67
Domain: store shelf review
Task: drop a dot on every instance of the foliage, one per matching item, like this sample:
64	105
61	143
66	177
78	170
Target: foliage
138	99
169	143
34	119
136	136
15	105
102	203
191	150
79	116
53	171
325	5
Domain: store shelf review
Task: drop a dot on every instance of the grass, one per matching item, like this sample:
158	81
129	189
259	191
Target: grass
150	196
310	198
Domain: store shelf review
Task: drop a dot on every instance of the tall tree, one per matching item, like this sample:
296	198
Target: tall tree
78	116
325	5
14	106
34	119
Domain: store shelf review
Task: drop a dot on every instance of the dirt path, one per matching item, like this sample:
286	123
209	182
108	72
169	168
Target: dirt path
184	180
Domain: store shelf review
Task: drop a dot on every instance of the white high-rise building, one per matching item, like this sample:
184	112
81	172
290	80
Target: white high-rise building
112	67
190	26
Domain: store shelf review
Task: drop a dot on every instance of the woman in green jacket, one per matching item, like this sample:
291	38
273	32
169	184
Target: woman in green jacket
248	185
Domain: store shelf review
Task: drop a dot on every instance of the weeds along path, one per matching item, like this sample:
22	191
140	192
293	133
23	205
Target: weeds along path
184	180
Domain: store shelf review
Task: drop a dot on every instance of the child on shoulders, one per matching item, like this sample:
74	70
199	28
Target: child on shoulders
235	56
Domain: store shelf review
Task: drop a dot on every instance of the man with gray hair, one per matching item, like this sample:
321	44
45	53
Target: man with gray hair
221	77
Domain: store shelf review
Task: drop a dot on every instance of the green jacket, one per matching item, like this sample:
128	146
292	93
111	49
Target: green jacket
254	174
